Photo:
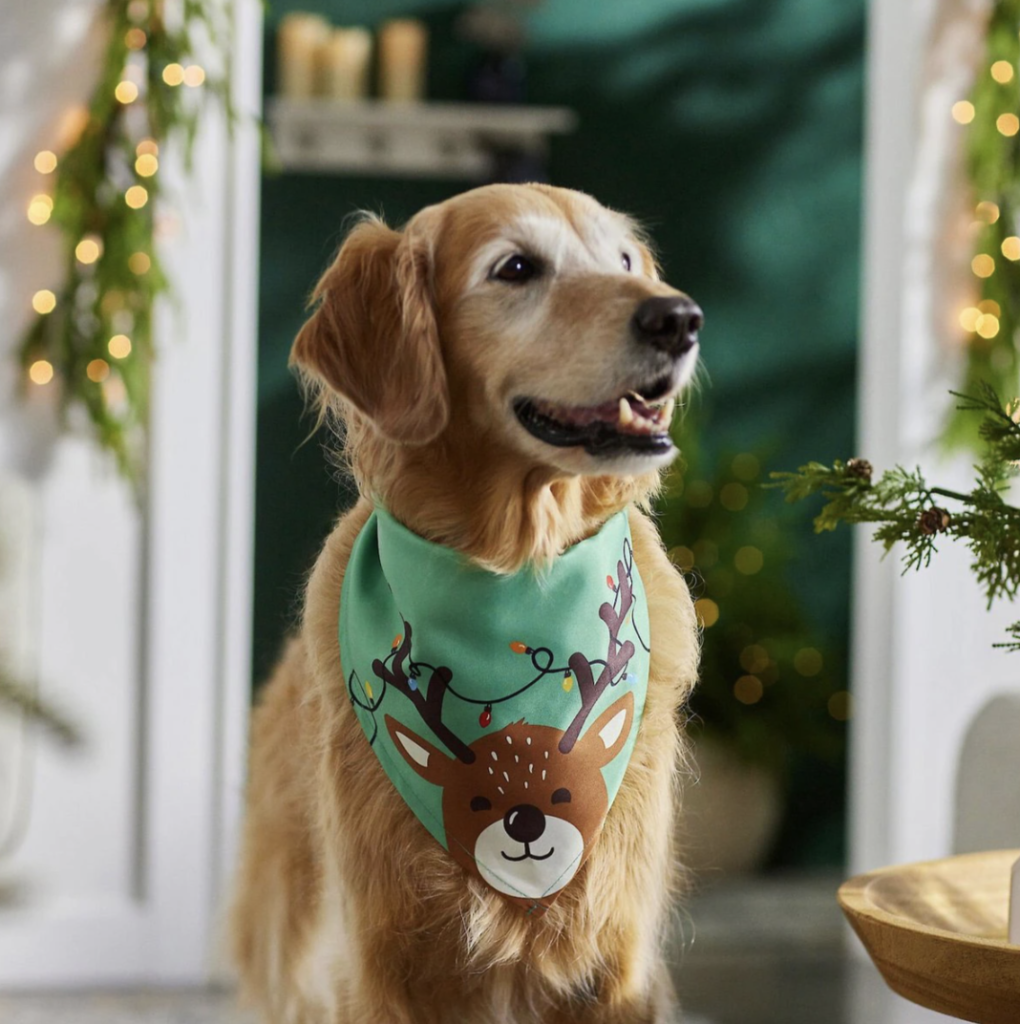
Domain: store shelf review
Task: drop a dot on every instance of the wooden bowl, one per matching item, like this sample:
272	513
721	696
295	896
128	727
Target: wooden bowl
937	932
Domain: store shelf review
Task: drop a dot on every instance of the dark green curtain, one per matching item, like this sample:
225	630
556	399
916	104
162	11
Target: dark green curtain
732	130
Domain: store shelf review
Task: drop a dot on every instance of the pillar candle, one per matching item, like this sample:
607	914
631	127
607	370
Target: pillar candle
402	49
343	64
299	39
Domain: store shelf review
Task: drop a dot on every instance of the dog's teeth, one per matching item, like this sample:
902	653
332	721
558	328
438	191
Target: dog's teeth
626	413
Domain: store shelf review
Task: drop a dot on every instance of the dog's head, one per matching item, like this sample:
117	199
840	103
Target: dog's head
521	331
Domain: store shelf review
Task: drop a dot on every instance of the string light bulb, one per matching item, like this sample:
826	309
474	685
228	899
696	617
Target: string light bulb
126	92
1002	71
969	319
173	74
45	161
44	301
1011	248
40	209
146	165
89	249
963	112
568	682
119	346
194	75
519	648
1008	124
987	326
41	372
485	718
136	197
983	265
97	371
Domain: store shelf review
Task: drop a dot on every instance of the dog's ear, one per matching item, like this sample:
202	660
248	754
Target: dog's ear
373	338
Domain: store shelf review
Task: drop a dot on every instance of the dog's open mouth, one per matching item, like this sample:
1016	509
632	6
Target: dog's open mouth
631	424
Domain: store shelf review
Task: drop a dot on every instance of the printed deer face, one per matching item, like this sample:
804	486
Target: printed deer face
523	814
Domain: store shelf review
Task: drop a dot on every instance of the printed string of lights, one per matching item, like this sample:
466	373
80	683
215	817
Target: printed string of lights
993	166
542	659
91	337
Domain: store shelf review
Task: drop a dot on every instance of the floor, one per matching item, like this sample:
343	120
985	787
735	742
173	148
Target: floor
772	952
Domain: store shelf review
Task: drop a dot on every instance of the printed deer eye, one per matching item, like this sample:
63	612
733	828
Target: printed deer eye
625	259
480	803
561	796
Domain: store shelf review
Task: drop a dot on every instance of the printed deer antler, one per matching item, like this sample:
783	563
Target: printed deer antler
430	704
617	657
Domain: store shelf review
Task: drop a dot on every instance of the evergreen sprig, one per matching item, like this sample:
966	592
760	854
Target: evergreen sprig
907	509
113	295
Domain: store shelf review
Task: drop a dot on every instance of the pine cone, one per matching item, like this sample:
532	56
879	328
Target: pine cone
934	520
860	468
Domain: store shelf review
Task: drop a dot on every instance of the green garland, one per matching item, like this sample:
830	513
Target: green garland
993	166
907	509
91	337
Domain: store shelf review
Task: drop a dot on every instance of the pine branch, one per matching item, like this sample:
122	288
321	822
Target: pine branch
908	510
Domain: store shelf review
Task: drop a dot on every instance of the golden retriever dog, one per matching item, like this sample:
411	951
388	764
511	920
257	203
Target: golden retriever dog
502	373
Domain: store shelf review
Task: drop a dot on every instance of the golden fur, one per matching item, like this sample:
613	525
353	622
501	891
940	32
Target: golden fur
346	910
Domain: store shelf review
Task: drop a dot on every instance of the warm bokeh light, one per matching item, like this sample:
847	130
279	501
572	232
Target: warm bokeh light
88	250
134	38
990	306
1002	71
682	558
963	112
969	319
194	75
987	325
136	197
748	689
126	92
733	496
707	611
754	658
1008	124
988	212
146	165
139	263
97	371
40	372
45	161
698	493
40	209
983	265
72	124
808	661
745	466
114	391
748	560
44	301
841	706
147	147
173	74
119	346
1011	247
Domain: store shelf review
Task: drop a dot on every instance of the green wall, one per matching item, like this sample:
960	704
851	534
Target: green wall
732	129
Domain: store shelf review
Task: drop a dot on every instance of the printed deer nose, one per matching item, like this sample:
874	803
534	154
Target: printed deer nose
524	823
669	323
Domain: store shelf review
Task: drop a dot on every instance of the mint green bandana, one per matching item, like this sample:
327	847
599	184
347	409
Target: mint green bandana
503	708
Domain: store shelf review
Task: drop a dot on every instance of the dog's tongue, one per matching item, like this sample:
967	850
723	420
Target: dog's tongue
629	415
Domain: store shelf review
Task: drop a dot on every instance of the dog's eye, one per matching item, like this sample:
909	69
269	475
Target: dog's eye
516	270
480	803
625	260
561	796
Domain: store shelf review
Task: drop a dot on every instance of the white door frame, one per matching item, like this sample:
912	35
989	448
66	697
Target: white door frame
189	637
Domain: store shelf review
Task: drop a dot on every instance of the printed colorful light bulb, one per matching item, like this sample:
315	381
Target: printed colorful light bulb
568	682
412	683
485	718
368	690
610	583
396	640
519	648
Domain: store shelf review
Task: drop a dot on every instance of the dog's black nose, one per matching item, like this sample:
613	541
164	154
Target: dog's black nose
669	323
524	823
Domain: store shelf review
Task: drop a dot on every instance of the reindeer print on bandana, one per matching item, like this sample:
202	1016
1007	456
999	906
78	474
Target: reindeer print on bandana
504	709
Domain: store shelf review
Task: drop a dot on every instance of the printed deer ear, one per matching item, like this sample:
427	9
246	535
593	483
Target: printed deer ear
374	339
608	734
429	762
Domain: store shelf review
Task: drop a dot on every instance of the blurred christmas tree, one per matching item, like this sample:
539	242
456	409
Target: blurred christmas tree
771	687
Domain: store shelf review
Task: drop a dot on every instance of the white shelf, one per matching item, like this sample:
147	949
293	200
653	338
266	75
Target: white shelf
419	140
